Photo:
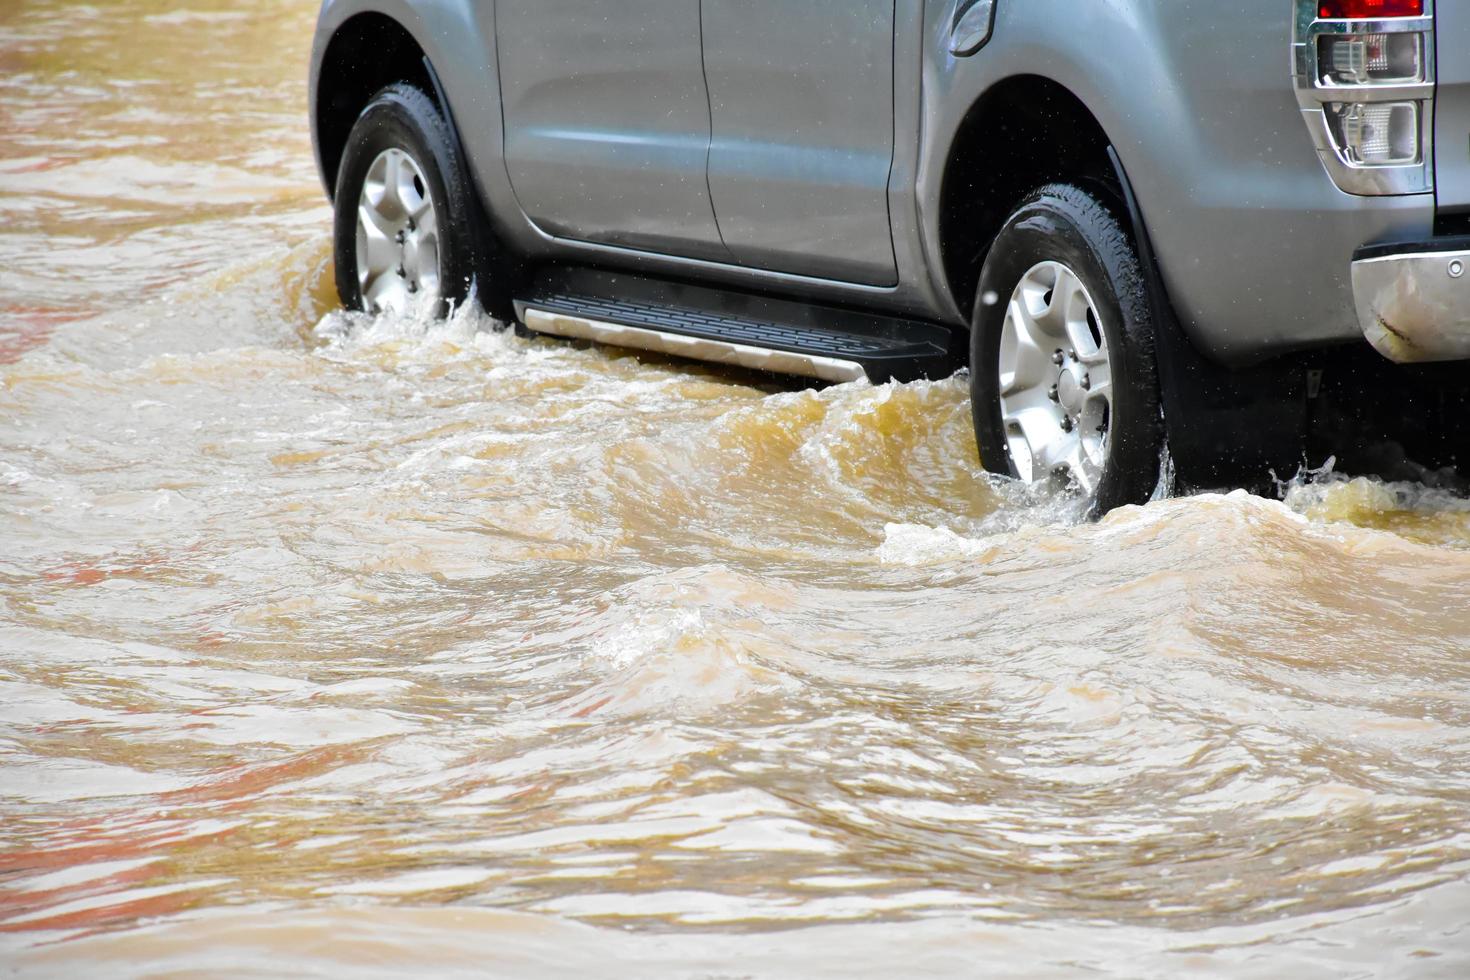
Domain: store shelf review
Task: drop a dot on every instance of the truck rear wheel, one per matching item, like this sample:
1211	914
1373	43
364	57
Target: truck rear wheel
1063	383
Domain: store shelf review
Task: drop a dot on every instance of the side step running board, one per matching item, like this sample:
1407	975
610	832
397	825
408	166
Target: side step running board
740	329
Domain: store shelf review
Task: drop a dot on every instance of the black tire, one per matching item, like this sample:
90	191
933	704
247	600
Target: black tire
404	117
1064	223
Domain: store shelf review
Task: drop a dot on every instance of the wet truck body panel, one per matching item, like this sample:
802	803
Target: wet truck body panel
1452	112
1253	240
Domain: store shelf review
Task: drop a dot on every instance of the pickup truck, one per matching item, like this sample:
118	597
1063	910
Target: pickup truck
1151	230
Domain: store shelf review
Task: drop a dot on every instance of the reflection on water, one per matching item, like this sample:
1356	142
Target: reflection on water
345	644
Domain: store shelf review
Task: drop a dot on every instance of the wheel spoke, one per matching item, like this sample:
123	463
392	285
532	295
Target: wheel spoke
1058	445
1035	433
1101	392
369	215
1044	284
1080	468
393	179
375	186
1076	308
1022	458
1024	362
427	221
386	293
378	251
1033	420
418	204
421	259
422	253
429	270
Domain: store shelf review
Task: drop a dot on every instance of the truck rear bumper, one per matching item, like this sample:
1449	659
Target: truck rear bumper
1413	300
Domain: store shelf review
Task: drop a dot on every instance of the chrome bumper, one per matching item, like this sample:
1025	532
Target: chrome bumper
1413	300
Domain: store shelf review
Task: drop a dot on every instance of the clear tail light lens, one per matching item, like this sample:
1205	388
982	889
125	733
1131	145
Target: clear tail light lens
1369	59
1377	134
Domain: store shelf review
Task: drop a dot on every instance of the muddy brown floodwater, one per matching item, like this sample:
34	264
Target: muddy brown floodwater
337	646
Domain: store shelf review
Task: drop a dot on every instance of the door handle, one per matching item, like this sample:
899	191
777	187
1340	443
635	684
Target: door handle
973	22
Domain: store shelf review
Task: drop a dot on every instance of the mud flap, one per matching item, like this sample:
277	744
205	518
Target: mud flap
1225	427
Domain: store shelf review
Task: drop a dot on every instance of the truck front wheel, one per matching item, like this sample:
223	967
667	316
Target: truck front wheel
1063	383
406	234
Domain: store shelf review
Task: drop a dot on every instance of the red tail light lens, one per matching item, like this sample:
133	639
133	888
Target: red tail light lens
1359	9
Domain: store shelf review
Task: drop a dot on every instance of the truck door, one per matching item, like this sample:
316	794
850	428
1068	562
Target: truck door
801	104
607	121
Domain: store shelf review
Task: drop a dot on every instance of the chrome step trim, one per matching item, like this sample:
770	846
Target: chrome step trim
697	348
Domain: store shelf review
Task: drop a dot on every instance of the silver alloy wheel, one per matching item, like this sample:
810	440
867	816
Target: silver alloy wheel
1056	385
397	236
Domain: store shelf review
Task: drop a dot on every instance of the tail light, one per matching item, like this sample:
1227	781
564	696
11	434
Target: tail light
1363	9
1365	82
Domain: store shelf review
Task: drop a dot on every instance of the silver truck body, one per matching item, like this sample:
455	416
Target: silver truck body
818	148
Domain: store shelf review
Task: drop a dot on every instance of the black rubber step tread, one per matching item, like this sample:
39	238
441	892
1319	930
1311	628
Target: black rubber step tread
723	327
886	347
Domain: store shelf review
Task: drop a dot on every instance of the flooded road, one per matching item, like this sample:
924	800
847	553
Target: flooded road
346	646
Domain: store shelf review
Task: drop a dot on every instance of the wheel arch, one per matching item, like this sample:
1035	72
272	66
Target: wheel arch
367	52
1223	425
1020	133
